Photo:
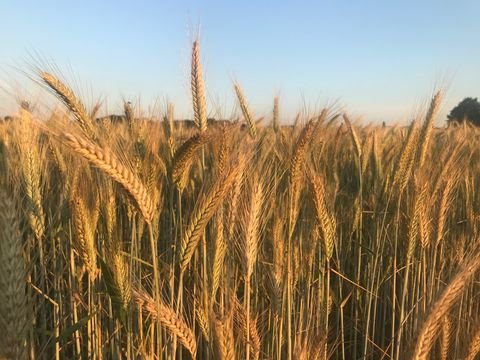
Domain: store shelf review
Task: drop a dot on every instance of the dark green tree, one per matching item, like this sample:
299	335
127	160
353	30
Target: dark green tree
467	110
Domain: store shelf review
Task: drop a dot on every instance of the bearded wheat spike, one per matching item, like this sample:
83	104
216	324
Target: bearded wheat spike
250	241
296	163
415	221
353	134
245	111
276	111
184	154
71	102
167	318
445	201
219	255
247	324
85	239
407	159
223	336
474	347
325	220
204	210
427	127
198	94
446	332
108	163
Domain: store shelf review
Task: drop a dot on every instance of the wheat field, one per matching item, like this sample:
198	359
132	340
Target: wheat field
324	239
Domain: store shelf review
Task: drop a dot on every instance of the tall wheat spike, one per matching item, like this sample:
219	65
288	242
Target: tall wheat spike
13	299
245	111
407	157
276	114
428	126
198	94
129	114
296	163
353	134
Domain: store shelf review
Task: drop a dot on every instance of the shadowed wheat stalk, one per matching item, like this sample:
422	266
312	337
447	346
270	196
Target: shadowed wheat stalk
13	300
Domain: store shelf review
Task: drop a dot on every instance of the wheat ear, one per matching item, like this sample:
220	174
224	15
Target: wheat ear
204	210
427	127
71	102
223	336
107	162
167	318
325	220
184	154
297	161
198	94
245	111
474	346
445	343
354	136
85	239
276	114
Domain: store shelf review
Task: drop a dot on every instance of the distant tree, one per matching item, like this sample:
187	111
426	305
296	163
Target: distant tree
467	110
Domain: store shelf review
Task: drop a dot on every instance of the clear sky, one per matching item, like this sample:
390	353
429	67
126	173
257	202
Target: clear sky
381	59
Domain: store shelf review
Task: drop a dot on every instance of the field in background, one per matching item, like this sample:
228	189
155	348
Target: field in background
147	239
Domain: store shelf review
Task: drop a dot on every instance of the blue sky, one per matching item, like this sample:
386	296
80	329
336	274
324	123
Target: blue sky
380	59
